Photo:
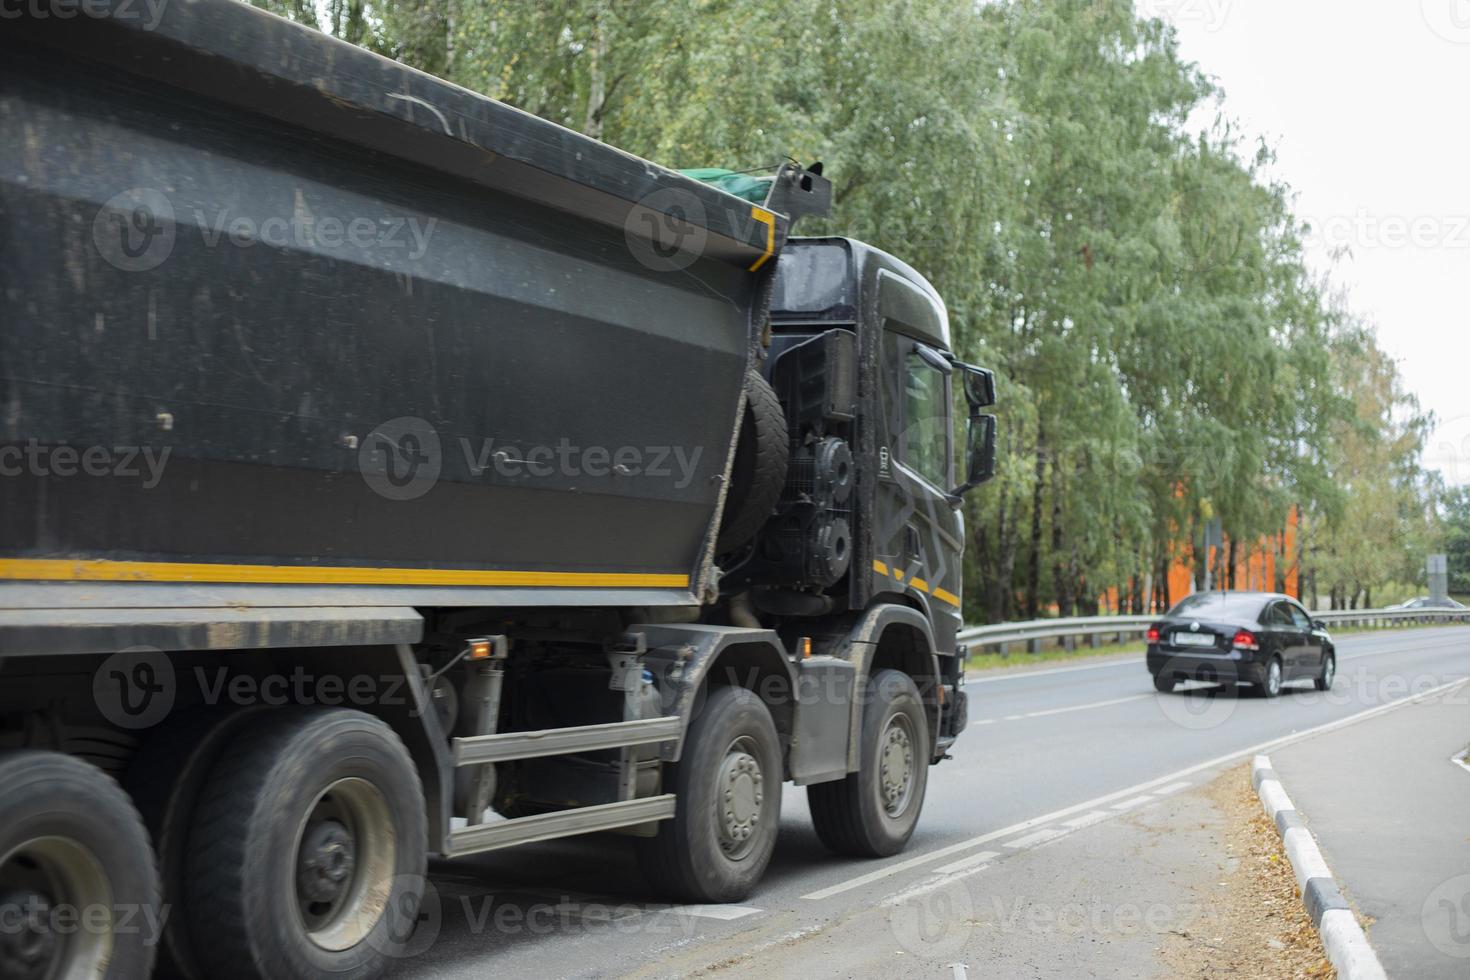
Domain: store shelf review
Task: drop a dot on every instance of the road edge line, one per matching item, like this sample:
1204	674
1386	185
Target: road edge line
1343	938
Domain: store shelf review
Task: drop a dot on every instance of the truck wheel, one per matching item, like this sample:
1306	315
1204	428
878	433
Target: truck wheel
728	784
307	854
872	812
758	475
71	844
165	780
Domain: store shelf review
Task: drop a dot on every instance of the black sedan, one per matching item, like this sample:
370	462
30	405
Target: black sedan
1257	638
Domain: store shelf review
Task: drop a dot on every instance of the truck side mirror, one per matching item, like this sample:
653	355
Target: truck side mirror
979	387
979	453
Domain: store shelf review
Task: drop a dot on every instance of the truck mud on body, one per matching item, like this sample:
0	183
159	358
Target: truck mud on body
390	473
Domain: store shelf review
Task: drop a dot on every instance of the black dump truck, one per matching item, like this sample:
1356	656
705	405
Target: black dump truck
386	472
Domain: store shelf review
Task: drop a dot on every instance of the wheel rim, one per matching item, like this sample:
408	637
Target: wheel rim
896	770
742	793
1328	670
39	879
345	854
1273	677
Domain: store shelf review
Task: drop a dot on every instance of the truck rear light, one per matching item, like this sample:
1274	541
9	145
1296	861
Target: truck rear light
1245	640
1153	634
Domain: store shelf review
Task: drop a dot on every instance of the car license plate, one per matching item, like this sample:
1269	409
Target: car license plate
1194	639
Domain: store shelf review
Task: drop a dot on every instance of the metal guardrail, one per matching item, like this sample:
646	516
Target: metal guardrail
1094	628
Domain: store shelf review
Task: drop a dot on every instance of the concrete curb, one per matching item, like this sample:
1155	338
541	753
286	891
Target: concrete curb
1347	947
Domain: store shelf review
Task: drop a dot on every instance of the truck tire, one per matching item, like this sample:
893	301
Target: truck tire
71	840
728	785
758	474
872	812
307	854
165	780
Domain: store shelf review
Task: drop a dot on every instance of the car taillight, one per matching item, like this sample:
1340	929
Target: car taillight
1245	640
1153	634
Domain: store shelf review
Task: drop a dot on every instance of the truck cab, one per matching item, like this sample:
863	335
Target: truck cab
861	359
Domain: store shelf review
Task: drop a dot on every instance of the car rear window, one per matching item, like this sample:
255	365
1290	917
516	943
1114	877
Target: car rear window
1219	605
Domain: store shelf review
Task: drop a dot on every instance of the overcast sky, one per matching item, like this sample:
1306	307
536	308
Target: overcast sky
1368	105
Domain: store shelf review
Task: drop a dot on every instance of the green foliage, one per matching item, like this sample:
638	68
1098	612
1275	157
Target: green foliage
1457	539
1164	355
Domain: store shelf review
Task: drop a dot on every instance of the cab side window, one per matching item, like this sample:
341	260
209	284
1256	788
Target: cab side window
925	441
1299	617
1278	615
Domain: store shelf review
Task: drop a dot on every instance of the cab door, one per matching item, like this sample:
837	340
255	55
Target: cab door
922	532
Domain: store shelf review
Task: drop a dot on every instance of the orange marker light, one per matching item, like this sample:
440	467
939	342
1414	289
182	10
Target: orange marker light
806	646
480	649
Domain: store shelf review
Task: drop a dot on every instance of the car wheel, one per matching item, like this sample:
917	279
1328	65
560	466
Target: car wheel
1271	684
1165	683
1324	680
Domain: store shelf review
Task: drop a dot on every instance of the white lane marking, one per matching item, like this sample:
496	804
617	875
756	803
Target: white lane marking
1215	763
932	884
1040	836
1172	788
1083	707
1009	676
1135	802
964	864
725	913
1462	759
1088	819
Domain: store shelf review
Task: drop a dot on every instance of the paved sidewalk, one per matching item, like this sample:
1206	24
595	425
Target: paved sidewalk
1391	813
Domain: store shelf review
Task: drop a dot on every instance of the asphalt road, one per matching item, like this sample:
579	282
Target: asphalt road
1049	754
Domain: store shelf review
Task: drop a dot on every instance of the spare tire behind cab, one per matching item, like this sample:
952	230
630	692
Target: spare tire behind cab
759	472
